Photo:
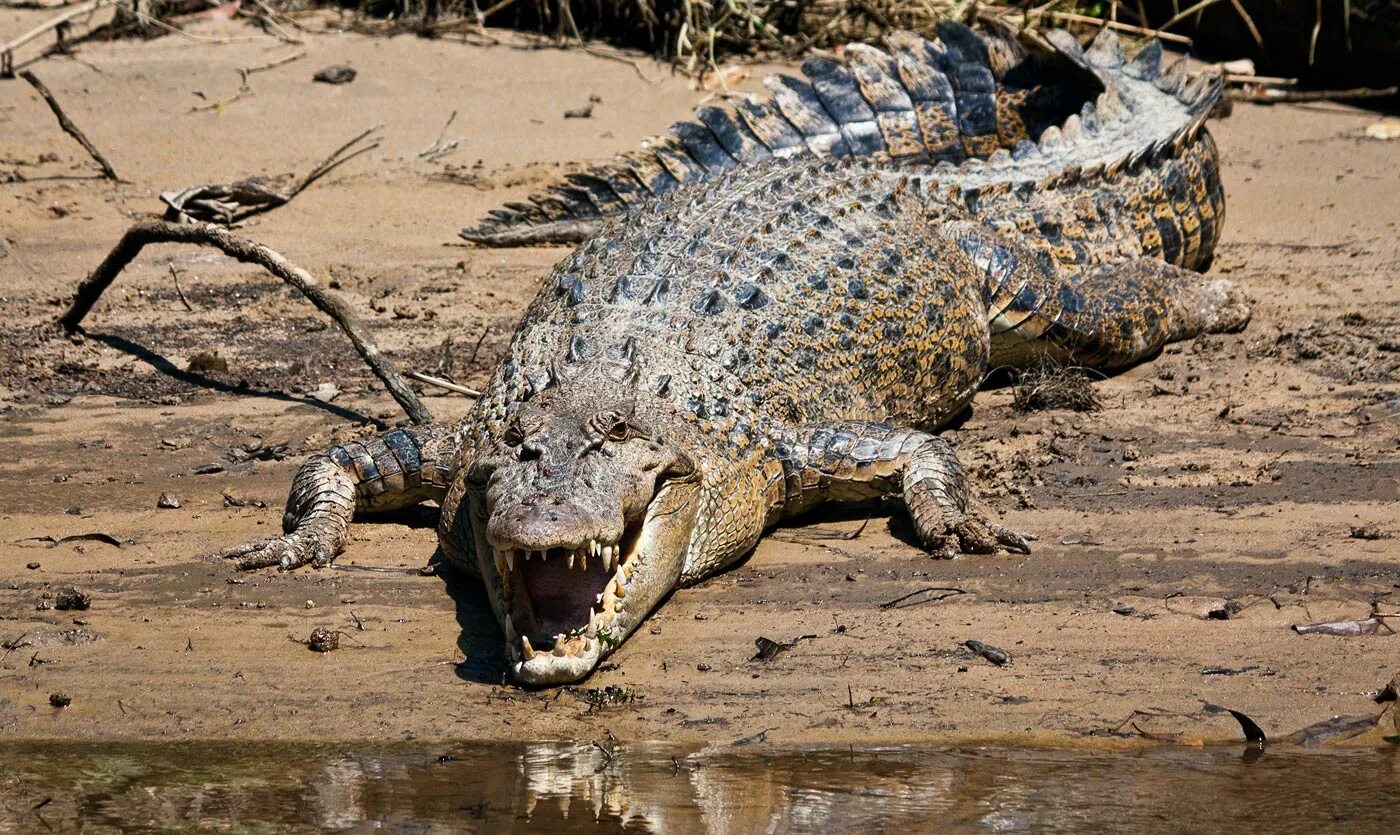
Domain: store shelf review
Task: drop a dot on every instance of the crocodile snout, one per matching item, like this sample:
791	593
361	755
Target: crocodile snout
540	521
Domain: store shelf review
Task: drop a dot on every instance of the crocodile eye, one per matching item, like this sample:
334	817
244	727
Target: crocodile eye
513	436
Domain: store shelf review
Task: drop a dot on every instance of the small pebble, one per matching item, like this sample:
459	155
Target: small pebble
168	501
60	699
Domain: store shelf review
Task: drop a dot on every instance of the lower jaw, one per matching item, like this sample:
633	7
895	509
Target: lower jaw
546	669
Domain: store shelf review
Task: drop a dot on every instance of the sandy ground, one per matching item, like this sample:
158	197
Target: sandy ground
1225	475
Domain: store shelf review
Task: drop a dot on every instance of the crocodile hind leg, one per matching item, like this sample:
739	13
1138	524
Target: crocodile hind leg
382	472
853	461
1107	315
1112	315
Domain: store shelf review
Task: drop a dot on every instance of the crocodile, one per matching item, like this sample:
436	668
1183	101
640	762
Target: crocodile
791	332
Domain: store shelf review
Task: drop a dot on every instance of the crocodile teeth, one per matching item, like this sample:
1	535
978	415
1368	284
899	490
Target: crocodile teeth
525	649
610	555
618	588
559	651
593	547
592	629
510	629
571	560
629	567
510	559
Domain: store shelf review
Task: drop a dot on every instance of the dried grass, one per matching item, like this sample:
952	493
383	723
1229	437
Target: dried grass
1052	385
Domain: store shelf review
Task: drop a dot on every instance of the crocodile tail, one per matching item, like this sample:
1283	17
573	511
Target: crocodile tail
961	97
1146	117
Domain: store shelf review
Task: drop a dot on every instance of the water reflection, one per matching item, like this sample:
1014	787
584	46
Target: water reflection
568	787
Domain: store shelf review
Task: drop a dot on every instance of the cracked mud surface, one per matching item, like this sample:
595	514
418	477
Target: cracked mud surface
1226	474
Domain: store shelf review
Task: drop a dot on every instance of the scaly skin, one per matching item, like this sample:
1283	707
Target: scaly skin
782	335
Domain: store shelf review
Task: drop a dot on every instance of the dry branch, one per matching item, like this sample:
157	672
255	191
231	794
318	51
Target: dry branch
447	385
1268	95
7	50
229	203
68	126
207	234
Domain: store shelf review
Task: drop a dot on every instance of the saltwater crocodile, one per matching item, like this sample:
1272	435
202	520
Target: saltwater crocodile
789	332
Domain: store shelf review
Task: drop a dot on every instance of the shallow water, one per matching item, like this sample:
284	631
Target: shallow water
584	787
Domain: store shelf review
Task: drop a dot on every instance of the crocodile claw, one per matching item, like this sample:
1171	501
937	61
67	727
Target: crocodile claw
975	534
286	552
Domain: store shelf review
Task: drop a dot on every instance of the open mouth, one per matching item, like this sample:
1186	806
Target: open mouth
566	601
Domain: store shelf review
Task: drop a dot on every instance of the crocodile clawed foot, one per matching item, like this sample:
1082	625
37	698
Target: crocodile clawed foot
286	552
975	534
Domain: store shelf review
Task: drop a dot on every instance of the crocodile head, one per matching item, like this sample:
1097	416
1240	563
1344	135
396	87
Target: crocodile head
582	512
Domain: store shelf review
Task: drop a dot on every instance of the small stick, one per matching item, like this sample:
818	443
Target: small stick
175	276
215	105
1271	80
441	383
1071	17
244	72
438	148
335	160
68	126
1267	96
951	591
207	234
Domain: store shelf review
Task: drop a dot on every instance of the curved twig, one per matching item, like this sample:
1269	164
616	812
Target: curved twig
249	252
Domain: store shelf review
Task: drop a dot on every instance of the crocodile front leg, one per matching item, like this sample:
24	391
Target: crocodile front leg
389	471
853	461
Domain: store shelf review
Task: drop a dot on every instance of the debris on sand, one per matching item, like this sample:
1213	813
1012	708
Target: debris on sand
1384	129
585	112
1345	628
71	598
231	500
338	74
52	541
1050	385
168	501
1368	532
1336	728
996	655
231	203
601	698
323	640
60	699
204	362
769	649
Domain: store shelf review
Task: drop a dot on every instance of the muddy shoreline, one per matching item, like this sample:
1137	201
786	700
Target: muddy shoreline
1225	475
